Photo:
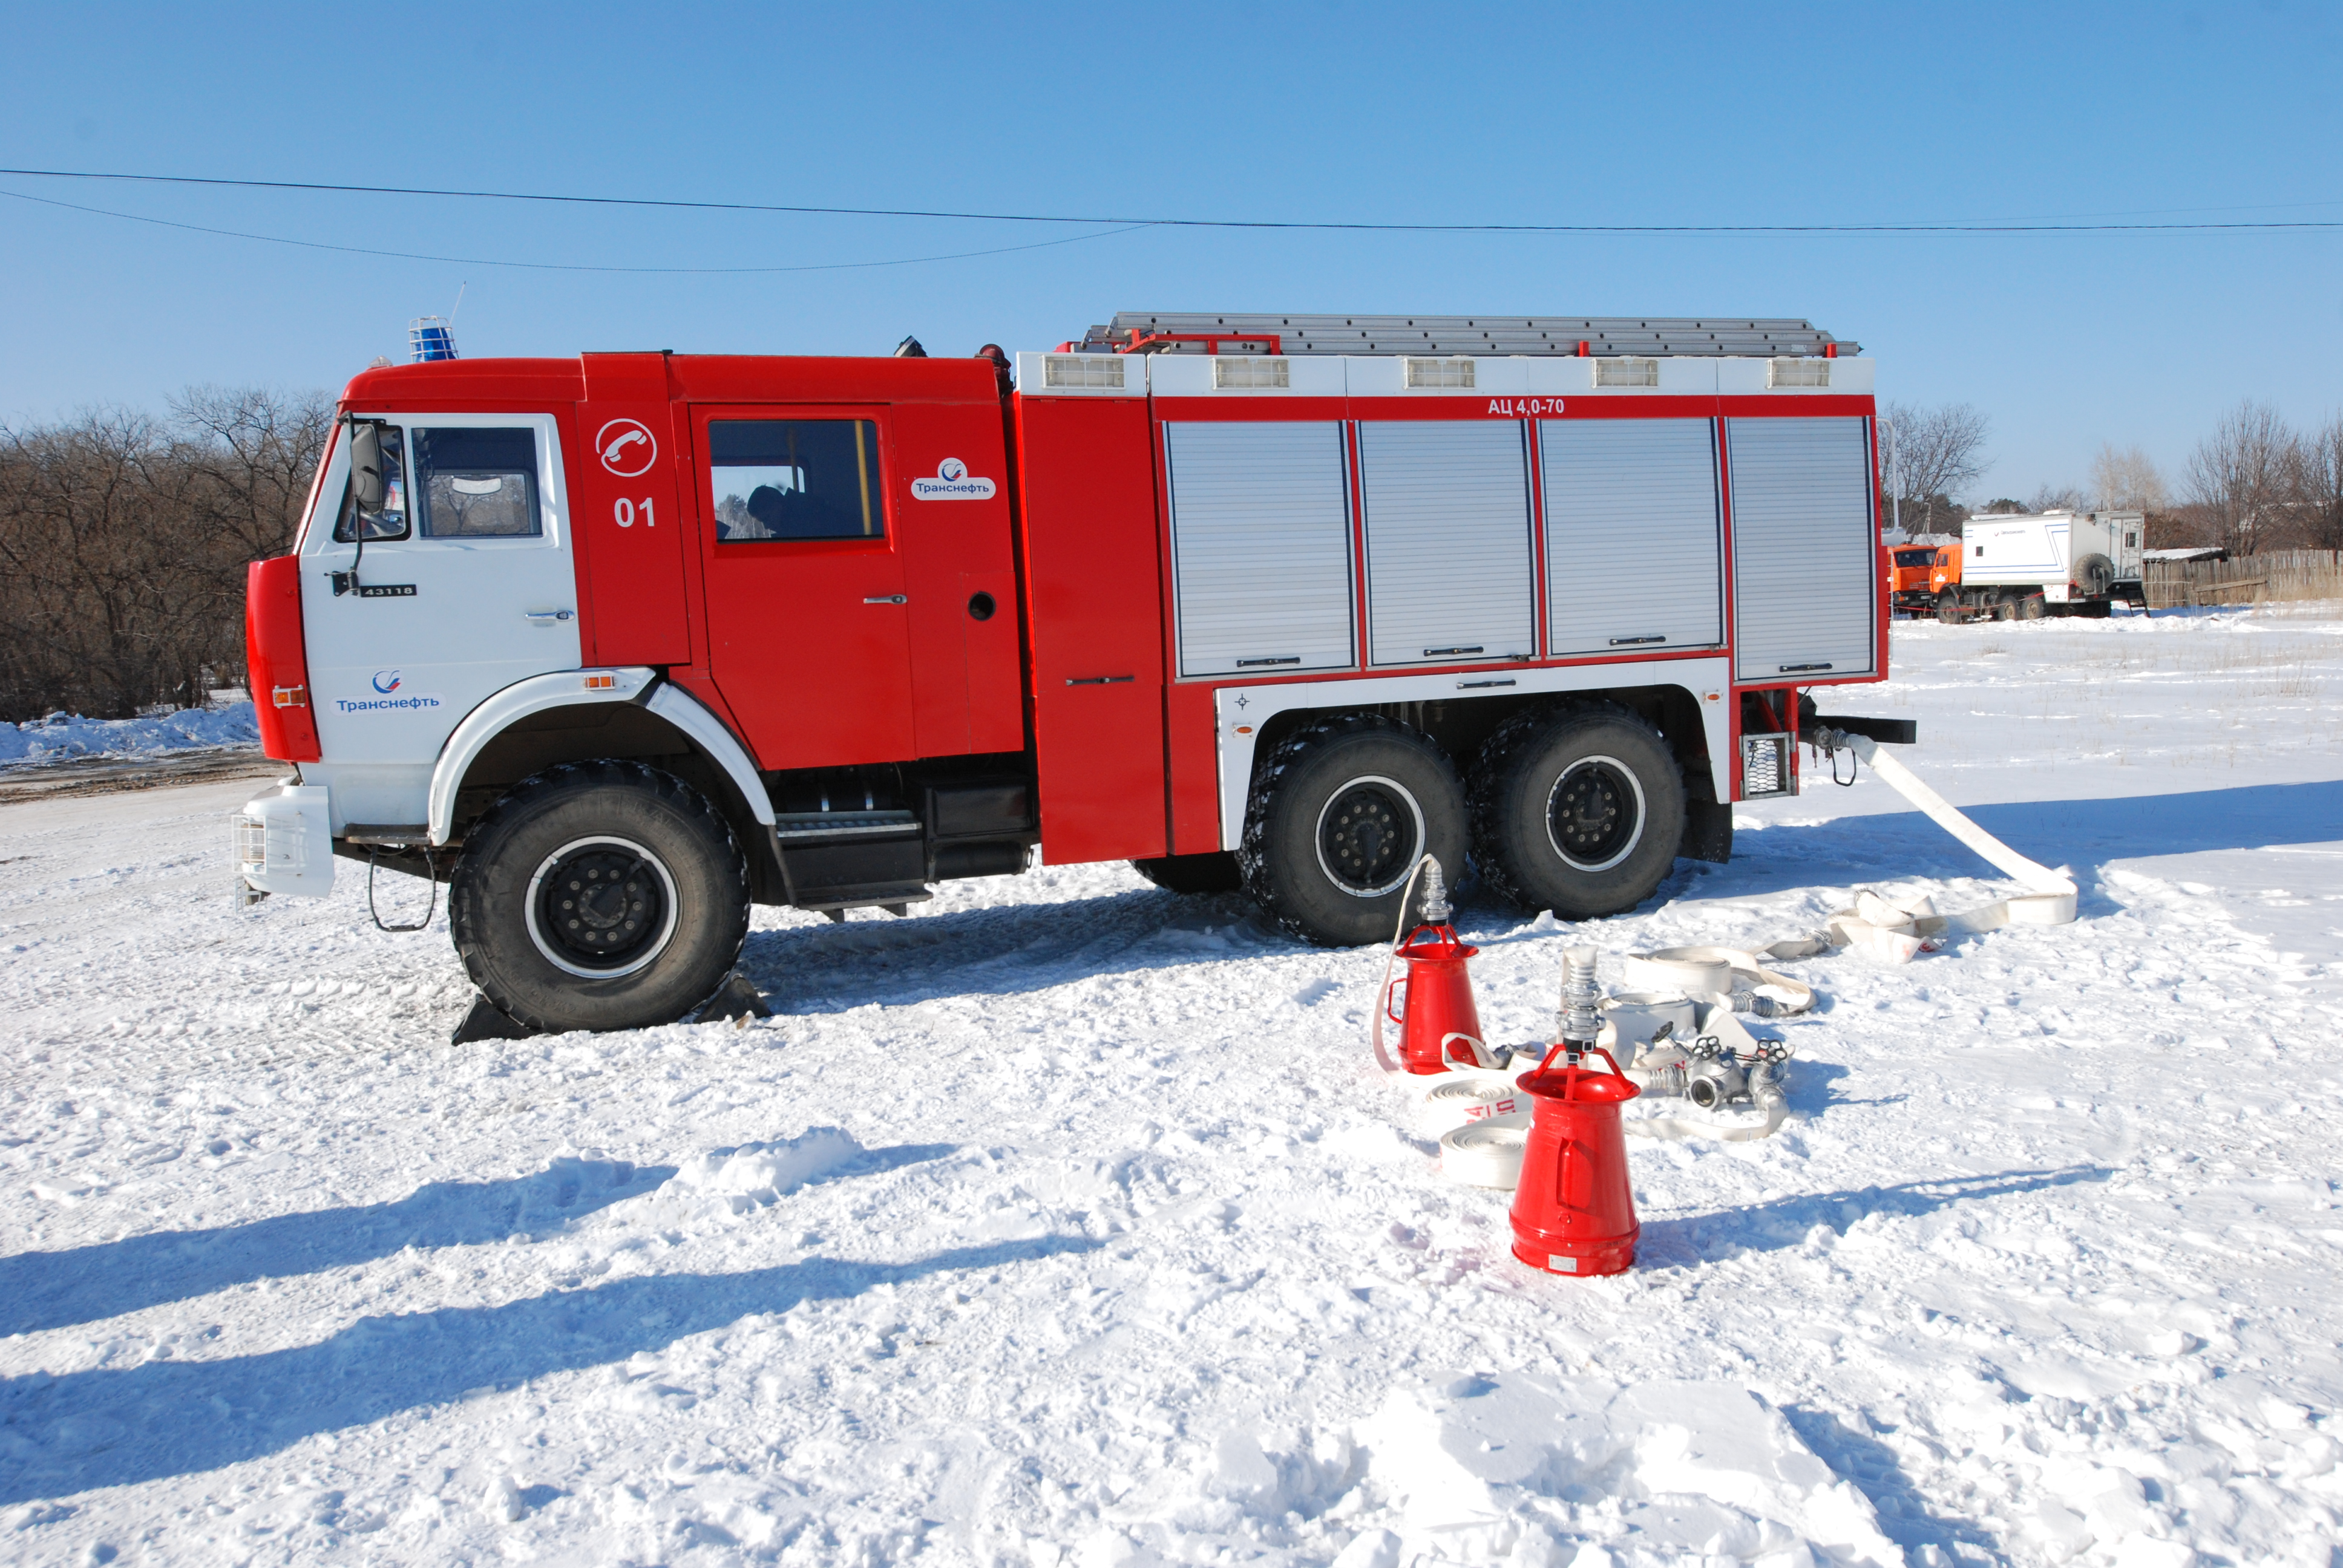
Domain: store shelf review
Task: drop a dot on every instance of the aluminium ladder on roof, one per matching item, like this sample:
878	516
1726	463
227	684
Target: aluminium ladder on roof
1757	337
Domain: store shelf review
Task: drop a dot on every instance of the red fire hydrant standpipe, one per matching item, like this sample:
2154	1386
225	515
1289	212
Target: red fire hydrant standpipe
1439	1026
1440	1029
1574	1212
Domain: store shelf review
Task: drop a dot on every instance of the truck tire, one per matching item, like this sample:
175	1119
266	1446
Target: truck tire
2095	575
558	957
1192	873
1341	813
1948	607
1580	812
2033	607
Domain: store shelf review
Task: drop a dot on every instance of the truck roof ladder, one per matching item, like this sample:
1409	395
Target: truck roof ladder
1601	336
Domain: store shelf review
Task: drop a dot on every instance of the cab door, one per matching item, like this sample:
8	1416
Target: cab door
464	584
808	634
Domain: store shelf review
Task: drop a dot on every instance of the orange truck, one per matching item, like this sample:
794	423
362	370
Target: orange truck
1916	574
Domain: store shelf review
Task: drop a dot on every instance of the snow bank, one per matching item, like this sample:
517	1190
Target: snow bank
61	735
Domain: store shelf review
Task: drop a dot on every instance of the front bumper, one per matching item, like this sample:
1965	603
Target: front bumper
285	844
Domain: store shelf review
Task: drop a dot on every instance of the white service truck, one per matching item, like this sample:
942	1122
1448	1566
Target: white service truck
2021	567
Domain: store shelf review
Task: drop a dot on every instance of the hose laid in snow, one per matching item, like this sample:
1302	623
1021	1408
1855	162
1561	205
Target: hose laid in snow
1716	974
1885	931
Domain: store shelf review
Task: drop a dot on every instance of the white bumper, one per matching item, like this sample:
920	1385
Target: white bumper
284	842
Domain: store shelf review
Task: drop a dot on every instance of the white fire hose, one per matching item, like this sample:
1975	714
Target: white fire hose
1882	931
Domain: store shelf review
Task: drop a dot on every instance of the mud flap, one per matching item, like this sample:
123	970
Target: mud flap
1707	832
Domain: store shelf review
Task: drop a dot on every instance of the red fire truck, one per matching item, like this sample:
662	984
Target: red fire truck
620	645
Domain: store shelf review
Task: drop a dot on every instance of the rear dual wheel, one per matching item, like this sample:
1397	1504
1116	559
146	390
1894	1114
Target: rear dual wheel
1342	812
1580	812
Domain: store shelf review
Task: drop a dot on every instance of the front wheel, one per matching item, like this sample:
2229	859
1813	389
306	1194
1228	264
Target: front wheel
1580	812
1948	607
599	896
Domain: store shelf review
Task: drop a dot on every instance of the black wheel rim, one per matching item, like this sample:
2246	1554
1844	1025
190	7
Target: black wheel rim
601	906
1595	814
1369	837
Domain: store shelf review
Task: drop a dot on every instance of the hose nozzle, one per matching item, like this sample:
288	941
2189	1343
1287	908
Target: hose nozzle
1436	911
1580	993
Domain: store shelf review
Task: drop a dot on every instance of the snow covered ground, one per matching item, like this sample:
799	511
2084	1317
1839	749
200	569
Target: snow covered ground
61	736
1066	1222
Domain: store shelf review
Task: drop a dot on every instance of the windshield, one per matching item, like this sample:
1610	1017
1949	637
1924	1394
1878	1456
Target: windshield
1915	558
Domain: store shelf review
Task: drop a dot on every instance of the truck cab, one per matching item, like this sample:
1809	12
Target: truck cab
1916	574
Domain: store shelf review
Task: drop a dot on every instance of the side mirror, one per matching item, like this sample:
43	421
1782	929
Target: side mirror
365	466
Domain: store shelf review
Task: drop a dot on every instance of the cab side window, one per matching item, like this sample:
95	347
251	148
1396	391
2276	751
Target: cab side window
390	523
473	484
795	479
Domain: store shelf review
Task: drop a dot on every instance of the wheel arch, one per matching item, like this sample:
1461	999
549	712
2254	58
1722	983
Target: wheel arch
548	720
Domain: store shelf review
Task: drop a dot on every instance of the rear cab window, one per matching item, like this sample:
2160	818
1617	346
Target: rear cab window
795	479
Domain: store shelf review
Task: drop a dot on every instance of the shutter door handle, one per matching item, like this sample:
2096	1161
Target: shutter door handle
1635	641
889	598
1099	679
546	617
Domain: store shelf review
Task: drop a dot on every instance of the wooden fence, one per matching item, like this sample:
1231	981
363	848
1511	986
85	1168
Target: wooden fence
2249	579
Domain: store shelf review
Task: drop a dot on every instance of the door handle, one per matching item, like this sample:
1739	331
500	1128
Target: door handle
1099	679
546	617
889	598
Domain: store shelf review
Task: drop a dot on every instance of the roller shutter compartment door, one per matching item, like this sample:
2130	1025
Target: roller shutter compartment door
1449	569
1261	546
1634	546
1804	549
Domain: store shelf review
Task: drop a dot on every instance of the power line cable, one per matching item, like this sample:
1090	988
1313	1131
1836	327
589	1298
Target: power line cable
2023	225
557	265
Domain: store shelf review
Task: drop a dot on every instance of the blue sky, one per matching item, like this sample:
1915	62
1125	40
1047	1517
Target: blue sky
1328	112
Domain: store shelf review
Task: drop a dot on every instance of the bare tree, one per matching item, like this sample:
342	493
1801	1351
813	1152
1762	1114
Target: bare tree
1932	454
2126	480
2244	477
255	452
2321	476
124	544
2058	498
